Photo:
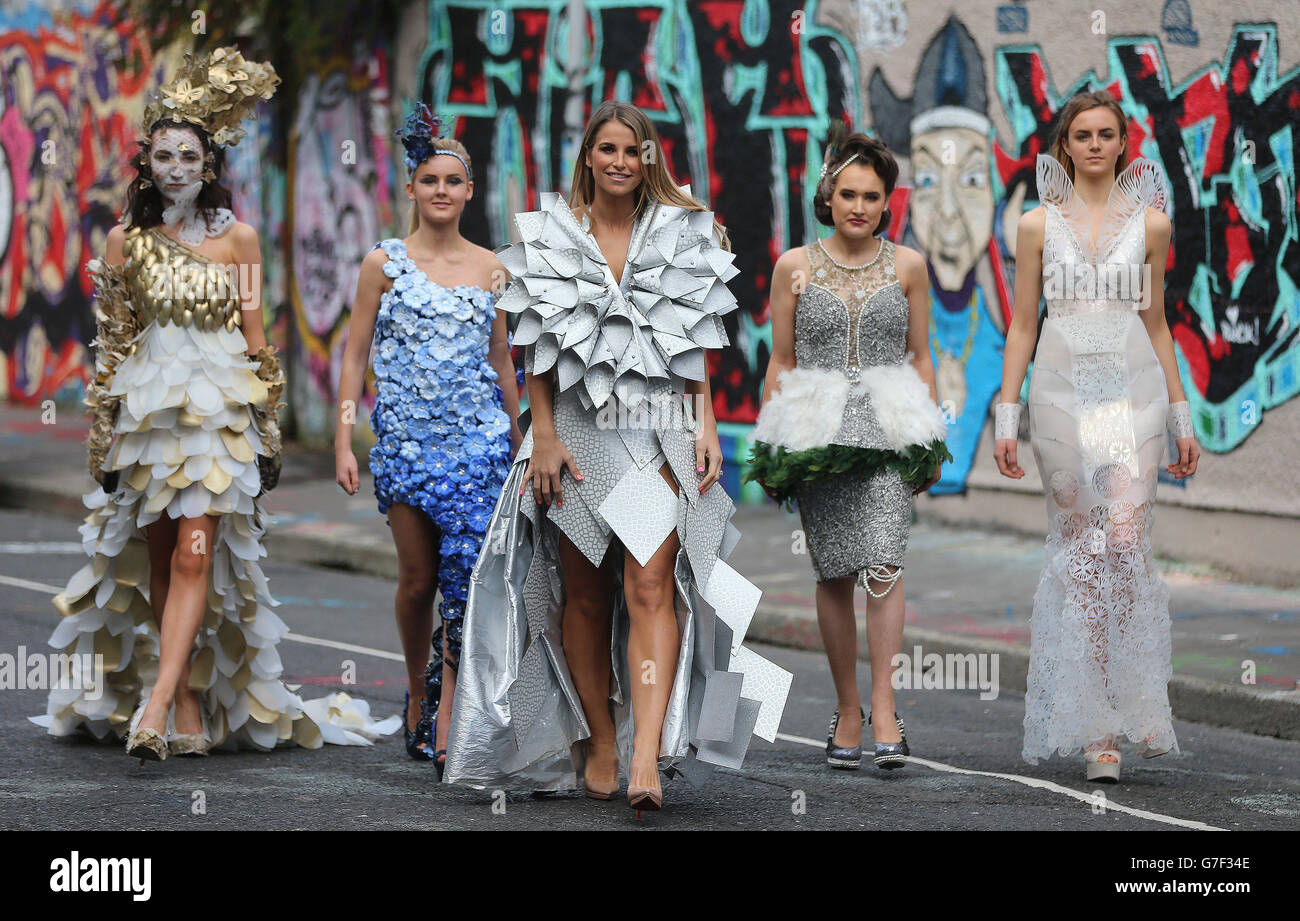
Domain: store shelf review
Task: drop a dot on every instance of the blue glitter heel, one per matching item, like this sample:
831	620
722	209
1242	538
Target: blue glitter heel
891	755
421	734
842	758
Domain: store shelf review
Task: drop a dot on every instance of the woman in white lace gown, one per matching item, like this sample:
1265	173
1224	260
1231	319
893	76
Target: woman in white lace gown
1105	385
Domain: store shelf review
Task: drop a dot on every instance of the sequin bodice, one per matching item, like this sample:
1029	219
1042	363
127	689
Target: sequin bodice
851	317
171	283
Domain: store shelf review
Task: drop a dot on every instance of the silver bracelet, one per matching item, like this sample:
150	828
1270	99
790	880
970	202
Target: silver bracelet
1180	420
1006	421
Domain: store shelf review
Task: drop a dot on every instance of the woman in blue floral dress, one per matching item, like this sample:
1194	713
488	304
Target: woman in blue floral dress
445	431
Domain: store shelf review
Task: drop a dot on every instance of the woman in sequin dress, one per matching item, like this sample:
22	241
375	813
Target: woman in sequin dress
184	443
1104	388
604	625
444	428
849	427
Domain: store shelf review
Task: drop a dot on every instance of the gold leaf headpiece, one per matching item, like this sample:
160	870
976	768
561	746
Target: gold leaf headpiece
216	92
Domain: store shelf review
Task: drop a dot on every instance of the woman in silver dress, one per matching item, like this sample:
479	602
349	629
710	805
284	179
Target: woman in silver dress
849	426
1105	385
603	625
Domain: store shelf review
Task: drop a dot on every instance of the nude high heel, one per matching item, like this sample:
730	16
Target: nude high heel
650	799
598	789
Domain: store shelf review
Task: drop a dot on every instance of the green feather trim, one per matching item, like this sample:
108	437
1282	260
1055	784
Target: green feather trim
783	472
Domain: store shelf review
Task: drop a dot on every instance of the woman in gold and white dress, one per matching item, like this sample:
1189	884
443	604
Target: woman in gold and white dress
184	440
1104	388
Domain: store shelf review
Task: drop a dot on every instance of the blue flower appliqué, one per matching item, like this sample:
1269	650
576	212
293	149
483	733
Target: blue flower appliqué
442	435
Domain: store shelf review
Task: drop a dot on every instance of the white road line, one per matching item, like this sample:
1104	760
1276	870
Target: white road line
296	637
801	740
34	586
346	647
35	546
1035	782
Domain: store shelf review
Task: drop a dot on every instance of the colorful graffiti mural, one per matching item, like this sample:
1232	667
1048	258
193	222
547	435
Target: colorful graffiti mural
70	99
340	200
741	92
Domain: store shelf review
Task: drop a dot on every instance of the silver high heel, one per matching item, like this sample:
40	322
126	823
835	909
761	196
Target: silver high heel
842	757
891	755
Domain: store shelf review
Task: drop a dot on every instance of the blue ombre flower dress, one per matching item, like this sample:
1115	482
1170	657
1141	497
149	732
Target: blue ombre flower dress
442	435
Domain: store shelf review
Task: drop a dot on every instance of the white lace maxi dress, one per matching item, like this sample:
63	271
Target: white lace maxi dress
615	349
1100	647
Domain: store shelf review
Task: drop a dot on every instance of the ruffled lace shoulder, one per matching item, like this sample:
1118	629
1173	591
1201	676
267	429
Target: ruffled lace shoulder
618	339
1139	186
1054	185
1142	182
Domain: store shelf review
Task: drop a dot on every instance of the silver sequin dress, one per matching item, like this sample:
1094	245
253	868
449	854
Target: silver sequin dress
854	386
619	355
1099	655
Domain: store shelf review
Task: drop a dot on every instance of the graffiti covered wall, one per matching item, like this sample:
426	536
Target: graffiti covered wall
73	89
742	92
68	114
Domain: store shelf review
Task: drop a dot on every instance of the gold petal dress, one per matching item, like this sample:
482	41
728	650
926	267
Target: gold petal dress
186	444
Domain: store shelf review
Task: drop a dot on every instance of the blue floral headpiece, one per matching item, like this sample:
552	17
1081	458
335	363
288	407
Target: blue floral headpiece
418	134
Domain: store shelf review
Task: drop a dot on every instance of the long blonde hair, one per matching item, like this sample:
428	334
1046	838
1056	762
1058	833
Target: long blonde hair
447	143
656	182
1082	102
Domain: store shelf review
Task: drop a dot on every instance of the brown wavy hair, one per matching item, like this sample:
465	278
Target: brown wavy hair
656	182
144	203
870	152
1082	102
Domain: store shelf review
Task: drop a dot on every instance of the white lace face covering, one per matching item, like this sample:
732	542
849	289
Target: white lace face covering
176	162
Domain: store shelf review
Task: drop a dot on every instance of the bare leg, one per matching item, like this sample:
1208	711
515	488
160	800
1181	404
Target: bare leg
585	628
839	628
652	648
884	639
186	601
417	541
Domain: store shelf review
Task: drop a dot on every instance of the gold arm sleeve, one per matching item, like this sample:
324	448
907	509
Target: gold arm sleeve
115	330
267	415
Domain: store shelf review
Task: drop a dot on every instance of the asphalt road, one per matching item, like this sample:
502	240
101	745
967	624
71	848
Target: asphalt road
966	774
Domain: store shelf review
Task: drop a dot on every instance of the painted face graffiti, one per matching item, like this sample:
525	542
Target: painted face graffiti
952	201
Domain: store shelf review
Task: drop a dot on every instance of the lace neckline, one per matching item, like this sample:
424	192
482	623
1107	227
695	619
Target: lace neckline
880	248
194	226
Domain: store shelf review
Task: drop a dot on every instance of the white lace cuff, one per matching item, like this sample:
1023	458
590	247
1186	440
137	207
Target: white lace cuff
1006	420
1180	420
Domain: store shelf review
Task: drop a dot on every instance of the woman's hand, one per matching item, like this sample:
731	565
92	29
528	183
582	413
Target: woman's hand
1189	453
934	478
708	451
345	471
548	461
1004	452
